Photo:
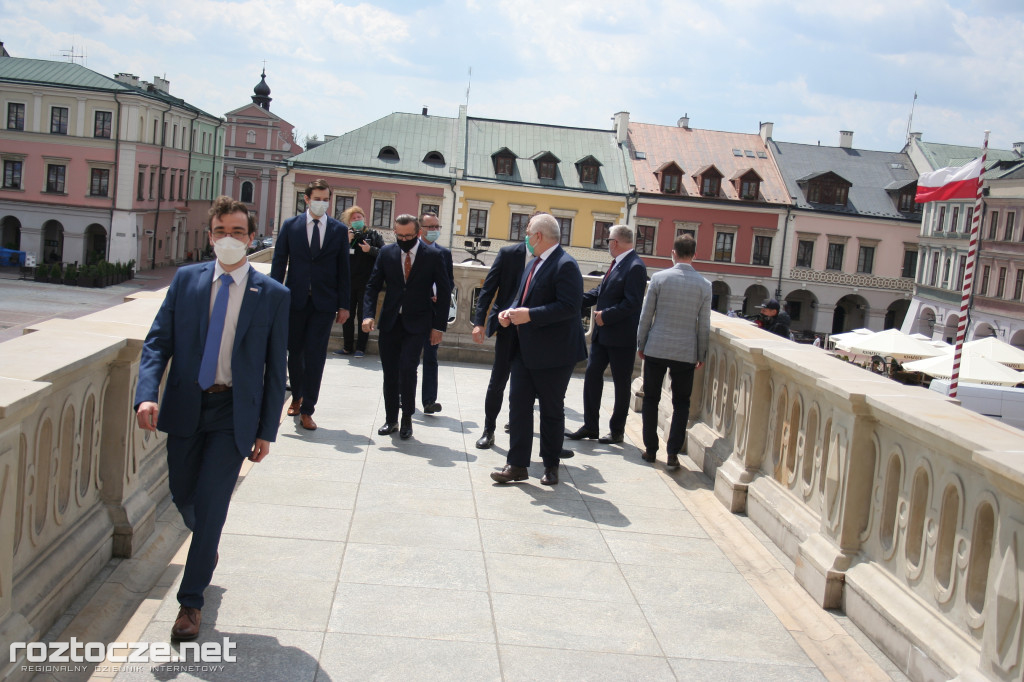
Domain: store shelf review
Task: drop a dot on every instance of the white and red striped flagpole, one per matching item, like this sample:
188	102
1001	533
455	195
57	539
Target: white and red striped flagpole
965	301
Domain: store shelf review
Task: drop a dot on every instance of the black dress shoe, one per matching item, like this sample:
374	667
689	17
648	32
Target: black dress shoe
406	431
566	454
510	474
580	434
388	428
673	462
550	476
650	455
486	440
431	408
610	438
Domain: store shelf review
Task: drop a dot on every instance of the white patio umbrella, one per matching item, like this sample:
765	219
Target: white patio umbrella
842	341
895	344
992	348
973	370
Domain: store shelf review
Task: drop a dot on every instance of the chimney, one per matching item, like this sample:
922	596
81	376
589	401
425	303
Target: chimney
127	79
915	136
684	122
162	84
846	139
621	120
1018	148
424	111
766	131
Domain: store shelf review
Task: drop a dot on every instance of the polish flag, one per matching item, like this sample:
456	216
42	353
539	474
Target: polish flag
950	183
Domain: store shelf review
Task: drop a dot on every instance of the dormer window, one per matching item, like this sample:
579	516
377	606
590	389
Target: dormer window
388	154
434	159
709	179
670	176
588	168
748	184
826	188
504	161
547	165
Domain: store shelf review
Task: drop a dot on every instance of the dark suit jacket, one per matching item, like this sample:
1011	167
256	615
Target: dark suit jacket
419	313
328	273
620	297
500	285
178	336
554	335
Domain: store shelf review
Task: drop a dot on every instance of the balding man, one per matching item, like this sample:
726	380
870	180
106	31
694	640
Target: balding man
547	345
617	301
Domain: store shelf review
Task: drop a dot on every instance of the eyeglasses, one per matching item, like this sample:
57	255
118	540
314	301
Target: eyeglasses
405	237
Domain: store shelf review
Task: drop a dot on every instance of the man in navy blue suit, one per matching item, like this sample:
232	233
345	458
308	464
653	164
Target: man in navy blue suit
223	327
617	301
500	286
313	249
430	230
411	315
548	344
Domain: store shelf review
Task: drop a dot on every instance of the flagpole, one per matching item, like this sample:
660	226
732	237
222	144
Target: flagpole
965	300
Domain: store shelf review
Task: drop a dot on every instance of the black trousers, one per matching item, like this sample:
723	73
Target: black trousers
399	357
352	328
682	387
546	386
309	331
500	371
621	359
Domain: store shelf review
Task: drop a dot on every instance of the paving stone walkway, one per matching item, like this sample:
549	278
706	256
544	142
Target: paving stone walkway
350	556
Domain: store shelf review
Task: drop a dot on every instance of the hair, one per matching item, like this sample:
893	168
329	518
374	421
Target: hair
225	205
405	219
431	214
685	246
346	215
319	183
622	233
547	226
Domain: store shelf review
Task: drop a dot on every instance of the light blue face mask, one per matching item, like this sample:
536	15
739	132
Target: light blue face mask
529	246
432	235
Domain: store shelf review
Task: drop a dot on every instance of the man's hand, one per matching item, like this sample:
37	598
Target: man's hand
367	325
342	316
478	333
641	354
146	415
519	316
503	318
597	319
435	337
260	450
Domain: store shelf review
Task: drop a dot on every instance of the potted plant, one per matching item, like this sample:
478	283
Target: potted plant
56	275
87	276
71	275
42	273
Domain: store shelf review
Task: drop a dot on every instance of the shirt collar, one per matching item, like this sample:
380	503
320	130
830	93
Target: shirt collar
310	218
618	259
238	274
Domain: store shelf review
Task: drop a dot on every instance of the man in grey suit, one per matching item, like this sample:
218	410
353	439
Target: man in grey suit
673	336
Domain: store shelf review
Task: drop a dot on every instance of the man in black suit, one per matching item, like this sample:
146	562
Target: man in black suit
411	315
313	249
617	301
500	285
430	230
547	345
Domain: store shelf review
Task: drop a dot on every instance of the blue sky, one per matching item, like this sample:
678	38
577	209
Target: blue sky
811	67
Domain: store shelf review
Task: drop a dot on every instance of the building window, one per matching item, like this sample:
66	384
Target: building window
985	271
804	253
477	222
300	201
723	246
749	188
55	178
517	226
433	209
246	194
969	220
1018	288
15	116
828	192
12	174
434	159
1008	232
342	202
670	183
710	183
866	259
834	259
909	263
59	120
680	231
935	270
163	175
565	229
503	165
381	213
142	182
601	230
588	173
250	137
961	269
762	251
546	170
907	201
1001	284
99	182
945	272
388	154
954	222
152	182
993	224
645	239
940	225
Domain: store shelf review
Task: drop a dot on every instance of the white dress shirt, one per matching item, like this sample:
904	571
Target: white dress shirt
240	276
309	227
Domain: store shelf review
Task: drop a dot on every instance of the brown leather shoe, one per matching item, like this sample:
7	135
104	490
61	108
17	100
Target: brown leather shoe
186	626
510	474
293	409
550	476
307	422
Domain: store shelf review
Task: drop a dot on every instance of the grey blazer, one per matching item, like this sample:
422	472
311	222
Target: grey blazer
676	316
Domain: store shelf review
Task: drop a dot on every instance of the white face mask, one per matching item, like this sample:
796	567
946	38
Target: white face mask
229	250
318	208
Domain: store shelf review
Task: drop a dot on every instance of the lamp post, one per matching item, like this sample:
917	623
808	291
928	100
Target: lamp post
475	248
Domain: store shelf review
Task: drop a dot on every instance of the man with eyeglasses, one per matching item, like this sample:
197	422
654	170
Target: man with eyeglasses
411	315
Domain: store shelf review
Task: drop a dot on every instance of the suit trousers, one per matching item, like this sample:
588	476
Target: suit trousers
201	471
682	386
399	357
429	391
546	386
500	371
348	329
621	359
309	331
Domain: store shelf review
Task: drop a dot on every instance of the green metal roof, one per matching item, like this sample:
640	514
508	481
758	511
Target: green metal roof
56	73
529	141
413	136
944	155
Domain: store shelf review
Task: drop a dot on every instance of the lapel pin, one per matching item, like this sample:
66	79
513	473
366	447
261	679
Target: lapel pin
254	289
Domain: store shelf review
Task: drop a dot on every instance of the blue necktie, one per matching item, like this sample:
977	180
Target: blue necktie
208	367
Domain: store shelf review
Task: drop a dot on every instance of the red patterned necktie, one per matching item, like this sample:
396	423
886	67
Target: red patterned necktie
529	278
408	265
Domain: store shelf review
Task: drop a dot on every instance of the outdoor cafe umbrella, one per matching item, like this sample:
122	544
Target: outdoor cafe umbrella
992	348
842	341
894	344
973	370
